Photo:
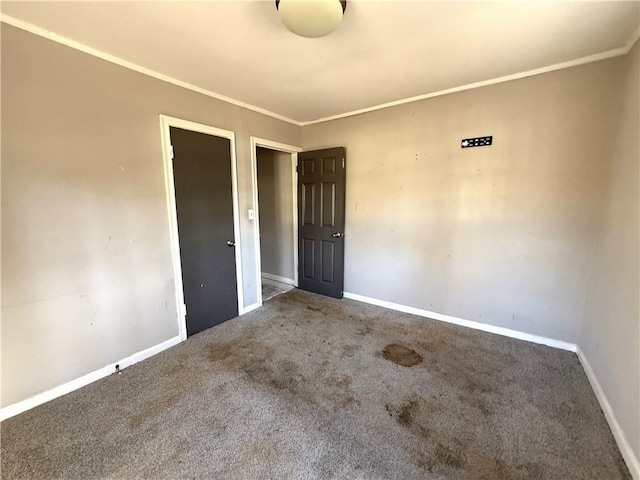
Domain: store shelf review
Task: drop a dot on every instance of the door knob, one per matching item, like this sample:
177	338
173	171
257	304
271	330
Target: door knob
230	243
337	235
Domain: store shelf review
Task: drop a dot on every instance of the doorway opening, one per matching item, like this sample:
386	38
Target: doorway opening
275	200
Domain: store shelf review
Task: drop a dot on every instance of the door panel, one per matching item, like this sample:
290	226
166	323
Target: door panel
308	203
328	204
308	254
204	204
328	260
321	204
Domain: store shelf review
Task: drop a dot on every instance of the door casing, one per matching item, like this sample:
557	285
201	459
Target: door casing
167	152
281	147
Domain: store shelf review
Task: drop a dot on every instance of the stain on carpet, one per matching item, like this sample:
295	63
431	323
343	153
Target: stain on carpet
364	330
445	447
316	383
433	449
401	355
407	412
348	351
153	409
447	456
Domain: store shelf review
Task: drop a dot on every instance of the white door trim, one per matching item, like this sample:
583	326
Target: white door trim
281	147
167	152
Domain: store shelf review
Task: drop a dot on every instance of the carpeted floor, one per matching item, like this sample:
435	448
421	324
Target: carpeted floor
272	288
311	387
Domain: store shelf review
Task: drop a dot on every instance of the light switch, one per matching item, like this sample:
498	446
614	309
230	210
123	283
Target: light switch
250	214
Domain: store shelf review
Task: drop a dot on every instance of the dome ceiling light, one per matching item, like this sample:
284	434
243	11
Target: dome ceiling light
311	18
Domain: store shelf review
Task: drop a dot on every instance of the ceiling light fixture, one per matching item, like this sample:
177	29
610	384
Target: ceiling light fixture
311	18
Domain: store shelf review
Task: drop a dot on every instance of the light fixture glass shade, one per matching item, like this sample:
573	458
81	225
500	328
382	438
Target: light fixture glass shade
310	18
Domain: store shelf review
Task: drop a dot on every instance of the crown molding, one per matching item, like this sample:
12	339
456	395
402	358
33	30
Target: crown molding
632	40
132	66
618	52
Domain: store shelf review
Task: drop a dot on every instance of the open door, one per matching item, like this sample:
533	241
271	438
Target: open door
321	204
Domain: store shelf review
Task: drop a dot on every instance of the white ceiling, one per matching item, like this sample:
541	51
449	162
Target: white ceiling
383	51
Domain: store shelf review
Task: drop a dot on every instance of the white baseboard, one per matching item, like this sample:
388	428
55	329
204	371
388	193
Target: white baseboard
39	399
621	439
250	308
507	332
278	278
29	403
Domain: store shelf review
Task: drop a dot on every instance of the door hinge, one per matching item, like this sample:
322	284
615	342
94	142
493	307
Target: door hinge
343	163
184	309
297	169
171	151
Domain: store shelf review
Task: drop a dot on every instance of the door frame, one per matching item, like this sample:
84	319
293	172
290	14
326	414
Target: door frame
293	151
166	123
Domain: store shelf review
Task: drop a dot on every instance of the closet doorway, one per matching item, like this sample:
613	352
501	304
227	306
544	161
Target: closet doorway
275	216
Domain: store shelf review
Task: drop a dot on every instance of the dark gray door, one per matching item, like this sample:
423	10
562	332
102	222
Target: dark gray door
321	195
204	202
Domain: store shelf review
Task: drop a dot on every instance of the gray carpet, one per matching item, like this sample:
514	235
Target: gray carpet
310	387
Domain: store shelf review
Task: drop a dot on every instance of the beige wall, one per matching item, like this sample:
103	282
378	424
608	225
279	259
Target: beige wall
501	235
87	277
611	331
275	198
